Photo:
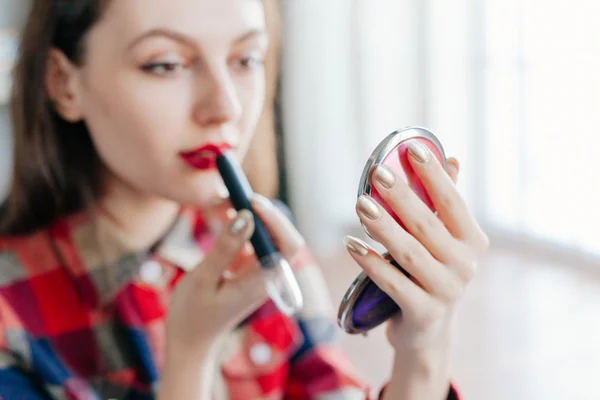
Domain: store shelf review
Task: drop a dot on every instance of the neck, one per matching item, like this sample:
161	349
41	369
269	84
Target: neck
141	219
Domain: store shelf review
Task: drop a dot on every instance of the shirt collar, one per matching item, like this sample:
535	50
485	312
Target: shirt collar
101	261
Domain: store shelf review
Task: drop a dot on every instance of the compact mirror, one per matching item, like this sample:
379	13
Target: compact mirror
364	305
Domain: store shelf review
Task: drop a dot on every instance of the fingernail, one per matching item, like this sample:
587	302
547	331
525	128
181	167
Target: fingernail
228	275
230	213
452	163
262	202
222	195
356	245
418	151
222	192
368	207
385	176
240	223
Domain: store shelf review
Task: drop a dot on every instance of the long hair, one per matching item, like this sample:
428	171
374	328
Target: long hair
55	168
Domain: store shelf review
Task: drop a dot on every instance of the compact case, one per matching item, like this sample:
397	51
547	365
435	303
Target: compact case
365	306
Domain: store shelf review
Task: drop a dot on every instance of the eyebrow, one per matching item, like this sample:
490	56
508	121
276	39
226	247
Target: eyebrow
188	41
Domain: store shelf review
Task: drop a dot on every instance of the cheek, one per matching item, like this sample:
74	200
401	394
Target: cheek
252	97
137	122
135	132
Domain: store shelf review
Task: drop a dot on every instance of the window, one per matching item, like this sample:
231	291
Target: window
541	120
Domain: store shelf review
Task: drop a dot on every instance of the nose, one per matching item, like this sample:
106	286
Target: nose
218	103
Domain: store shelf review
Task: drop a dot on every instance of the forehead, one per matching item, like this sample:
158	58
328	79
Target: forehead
210	19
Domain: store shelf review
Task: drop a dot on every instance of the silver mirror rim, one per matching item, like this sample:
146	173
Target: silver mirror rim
384	148
377	156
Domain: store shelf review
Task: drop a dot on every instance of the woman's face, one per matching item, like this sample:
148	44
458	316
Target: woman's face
161	78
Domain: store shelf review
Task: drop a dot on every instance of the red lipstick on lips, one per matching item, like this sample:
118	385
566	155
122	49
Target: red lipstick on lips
204	157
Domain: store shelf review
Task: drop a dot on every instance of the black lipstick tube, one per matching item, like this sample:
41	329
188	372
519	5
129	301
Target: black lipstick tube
280	281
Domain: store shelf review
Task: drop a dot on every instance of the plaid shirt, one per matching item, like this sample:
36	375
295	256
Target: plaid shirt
82	317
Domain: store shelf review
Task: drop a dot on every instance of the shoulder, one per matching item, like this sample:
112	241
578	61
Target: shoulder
23	257
15	255
28	264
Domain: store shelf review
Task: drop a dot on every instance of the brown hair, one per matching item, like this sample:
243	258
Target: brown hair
55	170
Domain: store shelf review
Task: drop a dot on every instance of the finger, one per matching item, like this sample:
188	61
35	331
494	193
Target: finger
452	168
219	214
285	235
245	257
221	194
405	293
407	251
221	203
448	202
225	210
248	282
416	216
247	290
227	246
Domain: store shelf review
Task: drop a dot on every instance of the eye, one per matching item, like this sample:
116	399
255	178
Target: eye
163	68
251	61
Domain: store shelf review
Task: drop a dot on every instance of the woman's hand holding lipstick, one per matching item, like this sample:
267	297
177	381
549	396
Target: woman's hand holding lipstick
203	304
227	285
440	252
209	302
288	240
203	307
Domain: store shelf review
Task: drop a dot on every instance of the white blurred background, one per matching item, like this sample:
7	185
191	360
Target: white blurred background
512	88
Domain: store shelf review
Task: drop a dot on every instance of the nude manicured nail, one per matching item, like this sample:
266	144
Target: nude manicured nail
368	207
356	245
418	151
385	176
240	223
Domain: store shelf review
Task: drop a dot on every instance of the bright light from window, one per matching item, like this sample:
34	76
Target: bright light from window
543	119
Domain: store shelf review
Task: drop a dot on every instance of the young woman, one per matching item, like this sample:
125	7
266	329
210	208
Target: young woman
123	271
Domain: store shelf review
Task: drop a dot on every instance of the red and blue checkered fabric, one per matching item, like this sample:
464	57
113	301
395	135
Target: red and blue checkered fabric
82	318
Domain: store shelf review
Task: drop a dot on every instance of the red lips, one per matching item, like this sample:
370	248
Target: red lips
204	157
